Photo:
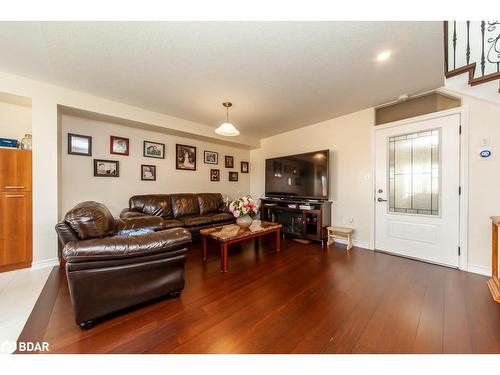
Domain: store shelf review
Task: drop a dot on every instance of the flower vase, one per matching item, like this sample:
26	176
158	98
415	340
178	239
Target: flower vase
244	221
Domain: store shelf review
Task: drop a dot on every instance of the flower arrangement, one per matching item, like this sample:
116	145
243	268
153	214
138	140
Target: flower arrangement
243	206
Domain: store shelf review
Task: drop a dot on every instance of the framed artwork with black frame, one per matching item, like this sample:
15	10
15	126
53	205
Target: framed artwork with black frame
79	144
154	150
229	161
233	176
106	168
148	172
245	167
214	175
118	145
210	157
185	157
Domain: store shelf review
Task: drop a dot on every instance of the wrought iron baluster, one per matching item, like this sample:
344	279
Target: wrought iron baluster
454	44
467	53
482	48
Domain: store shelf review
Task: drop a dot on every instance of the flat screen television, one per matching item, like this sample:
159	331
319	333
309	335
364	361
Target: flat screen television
303	176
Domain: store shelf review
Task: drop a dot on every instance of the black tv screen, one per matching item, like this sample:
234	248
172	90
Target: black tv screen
298	176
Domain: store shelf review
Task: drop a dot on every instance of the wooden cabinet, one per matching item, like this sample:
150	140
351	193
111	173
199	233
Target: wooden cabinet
15	210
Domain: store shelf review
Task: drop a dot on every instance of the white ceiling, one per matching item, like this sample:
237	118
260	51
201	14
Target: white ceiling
279	75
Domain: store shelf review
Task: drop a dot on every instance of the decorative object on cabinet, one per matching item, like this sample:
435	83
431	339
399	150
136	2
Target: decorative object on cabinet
185	157
79	144
15	209
27	142
229	161
244	167
10	143
233	176
214	175
211	157
148	172
154	150
106	168
118	145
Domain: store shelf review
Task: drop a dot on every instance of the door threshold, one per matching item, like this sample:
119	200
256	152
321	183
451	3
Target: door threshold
417	259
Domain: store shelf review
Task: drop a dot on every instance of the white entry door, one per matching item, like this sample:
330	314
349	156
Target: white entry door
417	189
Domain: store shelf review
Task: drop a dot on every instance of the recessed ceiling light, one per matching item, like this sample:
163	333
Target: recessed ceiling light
382	56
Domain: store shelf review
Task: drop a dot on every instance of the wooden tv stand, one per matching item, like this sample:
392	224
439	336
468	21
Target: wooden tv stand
299	218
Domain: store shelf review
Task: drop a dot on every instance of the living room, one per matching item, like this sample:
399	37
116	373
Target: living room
167	189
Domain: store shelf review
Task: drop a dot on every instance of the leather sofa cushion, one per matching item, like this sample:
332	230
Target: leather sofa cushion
194	220
221	216
209	202
184	205
136	222
117	247
152	204
127	213
90	220
172	223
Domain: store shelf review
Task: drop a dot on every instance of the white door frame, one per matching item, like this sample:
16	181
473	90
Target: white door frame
463	112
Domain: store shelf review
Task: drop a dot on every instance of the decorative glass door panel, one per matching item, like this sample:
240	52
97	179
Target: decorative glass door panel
414	173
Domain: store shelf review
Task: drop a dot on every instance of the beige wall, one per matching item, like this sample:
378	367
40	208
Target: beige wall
15	120
78	183
349	139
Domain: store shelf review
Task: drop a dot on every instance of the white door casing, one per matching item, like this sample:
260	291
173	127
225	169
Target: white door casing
401	225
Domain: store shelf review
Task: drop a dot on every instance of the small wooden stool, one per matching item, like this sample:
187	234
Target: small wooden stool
340	232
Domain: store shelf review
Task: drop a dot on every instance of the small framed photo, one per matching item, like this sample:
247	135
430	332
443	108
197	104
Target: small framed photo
233	176
244	167
185	157
211	157
79	144
214	175
106	168
118	145
229	161
154	150
148	172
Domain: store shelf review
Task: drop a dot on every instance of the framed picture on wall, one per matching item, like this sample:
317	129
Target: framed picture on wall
106	168
244	167
211	157
148	172
214	175
119	145
229	161
185	157
79	144
154	150
233	176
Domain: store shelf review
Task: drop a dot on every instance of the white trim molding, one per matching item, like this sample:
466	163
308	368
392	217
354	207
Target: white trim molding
44	263
360	244
480	270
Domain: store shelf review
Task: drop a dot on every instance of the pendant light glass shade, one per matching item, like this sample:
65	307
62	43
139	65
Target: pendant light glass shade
227	129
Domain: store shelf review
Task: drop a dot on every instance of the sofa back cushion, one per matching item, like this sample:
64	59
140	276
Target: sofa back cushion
209	202
184	204
90	220
152	204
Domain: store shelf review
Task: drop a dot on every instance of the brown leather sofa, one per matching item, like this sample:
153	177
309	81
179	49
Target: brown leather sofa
190	211
108	273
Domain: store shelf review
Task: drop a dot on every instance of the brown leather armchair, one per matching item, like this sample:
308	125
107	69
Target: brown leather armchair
108	273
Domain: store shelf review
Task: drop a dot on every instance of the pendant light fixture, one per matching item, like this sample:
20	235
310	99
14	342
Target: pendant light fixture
227	129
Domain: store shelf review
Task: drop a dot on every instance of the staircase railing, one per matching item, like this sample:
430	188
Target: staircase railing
473	47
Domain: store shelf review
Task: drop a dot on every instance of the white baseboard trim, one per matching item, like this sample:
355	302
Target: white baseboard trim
486	271
44	263
361	244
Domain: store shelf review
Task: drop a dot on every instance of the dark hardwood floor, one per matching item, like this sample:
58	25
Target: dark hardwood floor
300	300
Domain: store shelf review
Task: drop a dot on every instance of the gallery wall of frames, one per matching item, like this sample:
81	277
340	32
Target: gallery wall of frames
109	163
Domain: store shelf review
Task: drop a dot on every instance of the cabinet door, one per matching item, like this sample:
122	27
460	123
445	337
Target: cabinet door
15	230
15	170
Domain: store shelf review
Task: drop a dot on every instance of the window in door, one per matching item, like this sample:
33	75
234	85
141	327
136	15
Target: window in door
414	173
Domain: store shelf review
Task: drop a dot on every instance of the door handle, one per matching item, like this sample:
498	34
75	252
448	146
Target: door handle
381	200
15	196
14	187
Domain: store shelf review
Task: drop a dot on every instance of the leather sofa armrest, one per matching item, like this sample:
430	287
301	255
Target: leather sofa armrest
136	222
127	213
118	247
223	207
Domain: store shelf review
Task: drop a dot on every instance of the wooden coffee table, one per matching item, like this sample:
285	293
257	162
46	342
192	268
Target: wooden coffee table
231	234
